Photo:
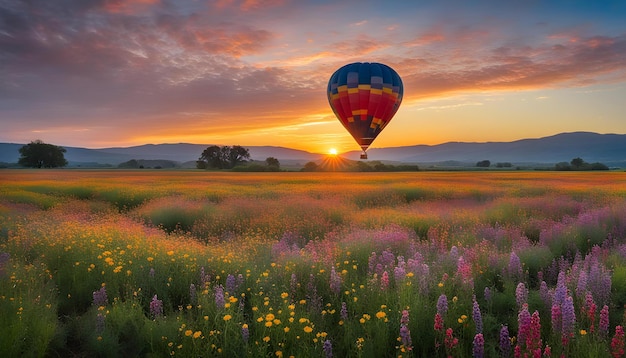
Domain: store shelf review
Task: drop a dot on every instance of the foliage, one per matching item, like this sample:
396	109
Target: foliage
483	164
222	157
38	154
147	263
579	164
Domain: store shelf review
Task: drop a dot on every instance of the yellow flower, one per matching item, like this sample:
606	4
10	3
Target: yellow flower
266	339
583	332
284	295
188	332
170	253
286	329
227	317
279	354
440	284
232	299
381	315
269	317
308	329
268	324
244	326
362	320
197	334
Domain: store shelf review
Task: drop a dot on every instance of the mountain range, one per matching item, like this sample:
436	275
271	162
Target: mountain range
609	149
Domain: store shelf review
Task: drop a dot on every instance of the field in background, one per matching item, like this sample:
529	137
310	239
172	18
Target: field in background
190	263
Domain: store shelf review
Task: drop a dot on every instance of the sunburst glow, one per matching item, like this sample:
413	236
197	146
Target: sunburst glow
332	151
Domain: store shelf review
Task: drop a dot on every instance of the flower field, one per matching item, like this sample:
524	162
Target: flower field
108	263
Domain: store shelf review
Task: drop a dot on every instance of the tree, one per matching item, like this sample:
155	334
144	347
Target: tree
483	164
273	165
38	154
577	163
222	157
310	167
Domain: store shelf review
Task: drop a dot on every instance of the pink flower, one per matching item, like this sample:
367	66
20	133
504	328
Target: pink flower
438	322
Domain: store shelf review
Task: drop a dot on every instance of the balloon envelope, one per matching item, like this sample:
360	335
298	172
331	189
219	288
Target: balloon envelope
364	97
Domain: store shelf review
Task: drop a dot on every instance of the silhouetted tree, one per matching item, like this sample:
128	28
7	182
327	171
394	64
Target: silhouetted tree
273	165
222	157
577	163
483	164
38	154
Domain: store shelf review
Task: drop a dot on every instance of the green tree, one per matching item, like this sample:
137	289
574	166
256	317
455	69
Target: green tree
483	164
577	163
273	165
38	154
222	157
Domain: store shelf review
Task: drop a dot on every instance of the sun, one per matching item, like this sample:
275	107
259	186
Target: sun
332	151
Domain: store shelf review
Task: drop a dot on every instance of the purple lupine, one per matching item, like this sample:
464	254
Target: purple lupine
399	274
478	346
405	336
328	349
515	266
560	292
568	318
335	281
192	294
504	342
156	307
204	278
442	304
521	294
231	284
100	297
487	294
604	321
477	317
220	302
523	322
343	313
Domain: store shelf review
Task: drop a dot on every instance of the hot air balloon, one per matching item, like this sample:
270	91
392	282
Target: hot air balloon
365	96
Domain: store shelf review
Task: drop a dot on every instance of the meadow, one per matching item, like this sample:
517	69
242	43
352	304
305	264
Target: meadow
108	263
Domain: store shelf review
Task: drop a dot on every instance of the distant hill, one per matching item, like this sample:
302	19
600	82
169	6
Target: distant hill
592	147
609	149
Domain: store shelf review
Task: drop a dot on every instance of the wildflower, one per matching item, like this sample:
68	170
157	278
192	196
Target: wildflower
604	321
523	321
344	311
477	317
450	341
197	334
188	333
442	304
100	297
583	332
219	297
328	348
487	294
568	319
156	307
100	323
515	266
617	343
308	329
478	346
384	281
405	333
266	339
556	319
505	342
521	294
227	317
381	315
533	340
438	322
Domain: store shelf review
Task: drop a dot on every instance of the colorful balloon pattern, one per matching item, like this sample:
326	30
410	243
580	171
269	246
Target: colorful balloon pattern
364	97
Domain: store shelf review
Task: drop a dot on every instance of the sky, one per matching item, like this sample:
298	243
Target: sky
116	73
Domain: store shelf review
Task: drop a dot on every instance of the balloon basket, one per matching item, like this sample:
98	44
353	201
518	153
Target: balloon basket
364	156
